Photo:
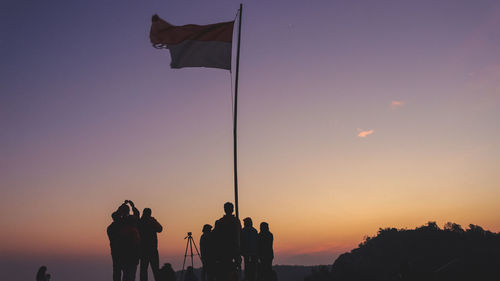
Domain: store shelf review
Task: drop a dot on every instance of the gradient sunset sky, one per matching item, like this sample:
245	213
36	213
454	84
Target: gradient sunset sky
353	115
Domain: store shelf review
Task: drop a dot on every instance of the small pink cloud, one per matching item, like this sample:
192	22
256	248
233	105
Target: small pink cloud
397	103
365	133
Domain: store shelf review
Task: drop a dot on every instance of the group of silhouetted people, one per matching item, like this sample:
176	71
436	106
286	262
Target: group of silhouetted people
222	249
133	239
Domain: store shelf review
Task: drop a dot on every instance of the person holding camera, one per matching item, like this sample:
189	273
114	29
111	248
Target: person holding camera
148	229
124	242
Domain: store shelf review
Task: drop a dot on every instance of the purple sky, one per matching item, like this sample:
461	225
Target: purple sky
353	115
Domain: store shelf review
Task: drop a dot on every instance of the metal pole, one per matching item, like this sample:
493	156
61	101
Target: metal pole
235	123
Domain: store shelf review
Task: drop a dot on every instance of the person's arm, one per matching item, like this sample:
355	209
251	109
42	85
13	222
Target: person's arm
108	231
134	209
156	225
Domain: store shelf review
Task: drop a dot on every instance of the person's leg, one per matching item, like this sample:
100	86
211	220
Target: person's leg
125	273
216	270
246	264
263	269
268	268
117	271
210	270
252	268
226	270
260	270
144	267
203	270
129	272
154	260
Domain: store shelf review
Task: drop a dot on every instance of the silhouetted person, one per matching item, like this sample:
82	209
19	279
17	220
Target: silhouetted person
124	241
227	232
207	250
148	227
190	276
42	274
167	273
114	242
249	249
266	253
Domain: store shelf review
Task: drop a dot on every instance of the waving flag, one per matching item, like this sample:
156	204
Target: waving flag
194	45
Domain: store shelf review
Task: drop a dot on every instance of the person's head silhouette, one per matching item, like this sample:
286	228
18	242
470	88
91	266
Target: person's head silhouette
264	227
146	213
124	210
115	216
167	267
167	273
228	208
189	272
207	228
42	273
247	222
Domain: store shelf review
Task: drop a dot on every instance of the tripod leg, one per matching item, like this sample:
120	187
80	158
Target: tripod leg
184	262
196	248
191	246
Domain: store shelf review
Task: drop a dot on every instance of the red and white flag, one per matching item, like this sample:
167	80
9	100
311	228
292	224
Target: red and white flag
194	45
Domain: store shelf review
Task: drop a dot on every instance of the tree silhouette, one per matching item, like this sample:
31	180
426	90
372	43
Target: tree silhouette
424	253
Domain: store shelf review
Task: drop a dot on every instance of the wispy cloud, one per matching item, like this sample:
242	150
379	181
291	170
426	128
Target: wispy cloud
397	103
364	133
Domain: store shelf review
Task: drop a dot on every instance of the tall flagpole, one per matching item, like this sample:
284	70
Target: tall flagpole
235	123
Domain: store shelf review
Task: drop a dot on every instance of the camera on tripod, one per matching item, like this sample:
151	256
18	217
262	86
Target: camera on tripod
189	246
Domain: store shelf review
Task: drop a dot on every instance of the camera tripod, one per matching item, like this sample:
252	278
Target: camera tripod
189	244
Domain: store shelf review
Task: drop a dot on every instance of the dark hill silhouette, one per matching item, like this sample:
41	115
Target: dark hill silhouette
425	253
